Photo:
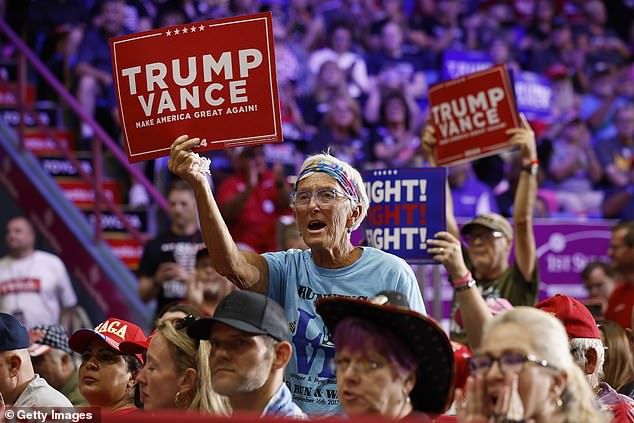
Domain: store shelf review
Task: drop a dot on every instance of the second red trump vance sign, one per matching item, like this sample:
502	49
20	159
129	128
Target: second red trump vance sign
214	80
471	115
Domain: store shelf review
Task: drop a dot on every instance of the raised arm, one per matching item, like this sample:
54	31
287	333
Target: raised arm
429	149
525	197
246	270
447	251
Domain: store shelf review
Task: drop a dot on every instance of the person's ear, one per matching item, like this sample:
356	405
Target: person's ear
132	379
354	216
509	244
591	361
295	217
188	382
66	361
560	380
409	382
283	352
14	362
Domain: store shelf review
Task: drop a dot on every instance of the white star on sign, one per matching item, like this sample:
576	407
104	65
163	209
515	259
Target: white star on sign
193	29
177	31
201	27
185	30
168	33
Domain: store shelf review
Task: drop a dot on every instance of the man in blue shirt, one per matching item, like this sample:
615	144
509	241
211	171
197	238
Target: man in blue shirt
249	352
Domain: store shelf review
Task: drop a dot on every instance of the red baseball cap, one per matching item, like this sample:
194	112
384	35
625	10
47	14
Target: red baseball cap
136	346
576	318
112	331
461	355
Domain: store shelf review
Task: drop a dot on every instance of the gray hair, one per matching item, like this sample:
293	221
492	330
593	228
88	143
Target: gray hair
579	348
350	172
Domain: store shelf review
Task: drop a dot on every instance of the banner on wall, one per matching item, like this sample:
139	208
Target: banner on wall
456	63
471	115
564	248
534	95
407	206
215	80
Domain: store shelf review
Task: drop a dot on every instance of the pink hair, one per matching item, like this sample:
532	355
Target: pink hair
356	335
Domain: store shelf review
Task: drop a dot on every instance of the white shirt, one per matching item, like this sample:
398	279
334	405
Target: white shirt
35	288
38	393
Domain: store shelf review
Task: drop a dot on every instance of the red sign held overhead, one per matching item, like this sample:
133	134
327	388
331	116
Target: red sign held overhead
213	79
471	115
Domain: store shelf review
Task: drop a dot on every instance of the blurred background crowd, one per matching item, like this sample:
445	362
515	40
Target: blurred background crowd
354	74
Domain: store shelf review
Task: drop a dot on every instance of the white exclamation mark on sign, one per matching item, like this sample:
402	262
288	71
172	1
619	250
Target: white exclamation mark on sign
423	238
423	189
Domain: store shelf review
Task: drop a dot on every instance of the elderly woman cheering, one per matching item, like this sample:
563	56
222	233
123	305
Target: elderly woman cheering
329	202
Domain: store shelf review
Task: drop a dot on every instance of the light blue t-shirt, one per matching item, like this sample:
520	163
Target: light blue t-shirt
296	282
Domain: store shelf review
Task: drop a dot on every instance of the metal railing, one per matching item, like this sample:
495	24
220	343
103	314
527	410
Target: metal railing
101	138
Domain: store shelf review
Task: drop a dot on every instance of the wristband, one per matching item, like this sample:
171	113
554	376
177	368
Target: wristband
465	287
531	168
462	281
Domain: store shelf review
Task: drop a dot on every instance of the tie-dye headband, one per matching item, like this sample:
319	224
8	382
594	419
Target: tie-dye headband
336	172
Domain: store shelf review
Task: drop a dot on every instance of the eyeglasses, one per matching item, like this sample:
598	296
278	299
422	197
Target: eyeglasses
185	322
360	366
486	236
509	362
325	197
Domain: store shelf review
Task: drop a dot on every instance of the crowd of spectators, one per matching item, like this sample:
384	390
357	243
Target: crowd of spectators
353	77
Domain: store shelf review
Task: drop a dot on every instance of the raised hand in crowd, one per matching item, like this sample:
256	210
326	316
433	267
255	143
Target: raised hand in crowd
446	250
184	163
524	137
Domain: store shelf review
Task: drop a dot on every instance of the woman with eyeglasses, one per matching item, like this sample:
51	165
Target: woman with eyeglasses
329	201
390	361
524	372
176	373
107	375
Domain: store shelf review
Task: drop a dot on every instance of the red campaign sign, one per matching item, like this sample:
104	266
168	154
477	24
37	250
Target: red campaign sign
211	79
127	249
82	195
39	142
9	94
471	115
